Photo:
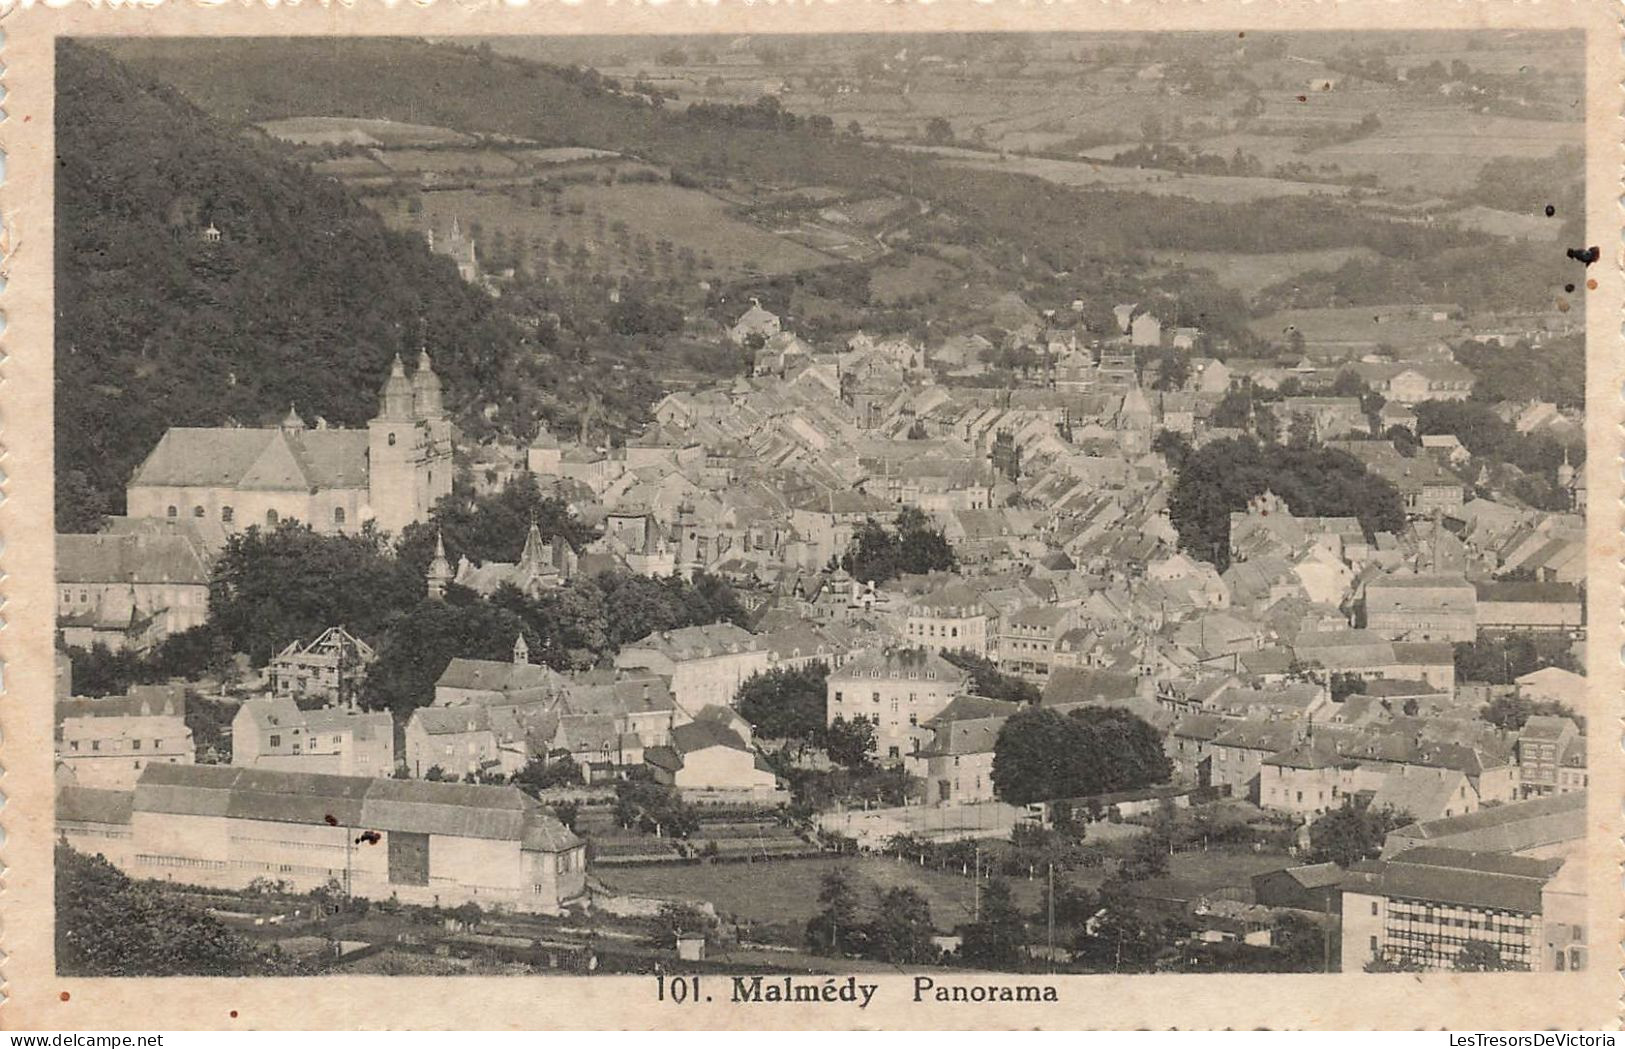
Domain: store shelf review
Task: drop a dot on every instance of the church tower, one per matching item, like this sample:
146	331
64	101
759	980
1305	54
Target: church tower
394	449
433	481
409	448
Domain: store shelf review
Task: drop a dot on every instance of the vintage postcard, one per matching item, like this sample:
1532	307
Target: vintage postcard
830	516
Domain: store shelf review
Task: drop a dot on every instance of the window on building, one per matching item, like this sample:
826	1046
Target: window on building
197	511
392	440
271	518
95	744
226	514
276	741
338	515
73	745
135	744
172	512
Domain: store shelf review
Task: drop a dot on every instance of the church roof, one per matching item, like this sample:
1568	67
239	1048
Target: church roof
258	459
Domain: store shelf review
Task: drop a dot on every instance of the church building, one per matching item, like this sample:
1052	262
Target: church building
334	480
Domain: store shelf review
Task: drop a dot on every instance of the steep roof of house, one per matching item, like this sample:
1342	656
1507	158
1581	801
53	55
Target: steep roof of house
899	661
498	675
697	642
972	708
133	558
1080	684
704	734
963	737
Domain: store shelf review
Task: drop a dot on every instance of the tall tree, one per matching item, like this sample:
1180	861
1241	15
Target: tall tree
272	587
418	646
997	938
911	546
901	931
1041	755
1352	833
850	743
834	929
785	703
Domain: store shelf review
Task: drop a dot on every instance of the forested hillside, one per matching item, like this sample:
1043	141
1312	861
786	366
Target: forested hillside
303	300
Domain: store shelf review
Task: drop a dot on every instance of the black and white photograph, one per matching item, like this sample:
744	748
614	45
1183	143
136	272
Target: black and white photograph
749	508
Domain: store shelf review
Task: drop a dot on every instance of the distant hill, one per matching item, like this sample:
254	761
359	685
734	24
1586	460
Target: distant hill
475	89
302	300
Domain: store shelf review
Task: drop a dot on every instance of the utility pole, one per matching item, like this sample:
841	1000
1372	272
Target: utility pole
1051	935
976	878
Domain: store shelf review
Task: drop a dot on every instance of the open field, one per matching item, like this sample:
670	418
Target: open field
450	161
1358	328
787	890
1083	174
1248	274
590	217
361	131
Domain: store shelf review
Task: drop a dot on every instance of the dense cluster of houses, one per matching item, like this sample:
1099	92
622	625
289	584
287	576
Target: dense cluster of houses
1317	666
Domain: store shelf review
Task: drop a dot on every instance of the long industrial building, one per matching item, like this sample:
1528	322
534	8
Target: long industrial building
415	841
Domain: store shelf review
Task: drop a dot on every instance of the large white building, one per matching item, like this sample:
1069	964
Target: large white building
129	591
276	734
422	843
898	690
112	751
705	664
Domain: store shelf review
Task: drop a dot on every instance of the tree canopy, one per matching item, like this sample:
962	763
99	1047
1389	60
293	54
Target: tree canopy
418	645
911	546
108	925
1352	833
1222	477
1042	755
986	679
270	587
785	702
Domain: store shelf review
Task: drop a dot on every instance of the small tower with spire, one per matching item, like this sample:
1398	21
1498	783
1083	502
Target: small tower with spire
521	651
439	569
